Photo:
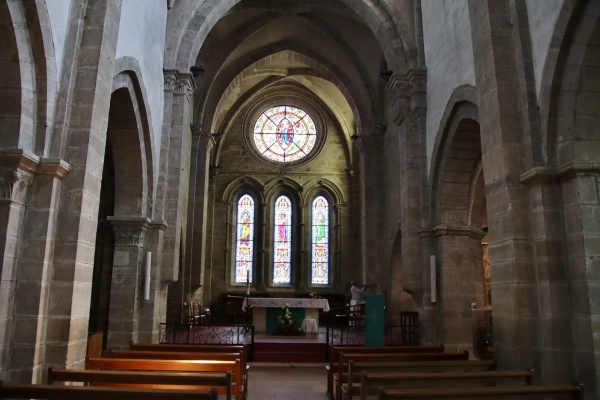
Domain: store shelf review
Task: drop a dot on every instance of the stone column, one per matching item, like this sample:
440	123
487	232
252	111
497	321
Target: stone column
127	282
17	169
303	275
83	146
555	291
173	184
262	264
31	295
196	247
406	95
152	311
369	146
458	276
512	253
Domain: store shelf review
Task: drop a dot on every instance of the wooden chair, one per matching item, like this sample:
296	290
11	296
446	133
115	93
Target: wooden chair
409	325
233	311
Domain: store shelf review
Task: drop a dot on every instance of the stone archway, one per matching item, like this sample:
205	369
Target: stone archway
122	224
459	204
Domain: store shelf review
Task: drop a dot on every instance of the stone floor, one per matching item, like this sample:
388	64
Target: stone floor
287	381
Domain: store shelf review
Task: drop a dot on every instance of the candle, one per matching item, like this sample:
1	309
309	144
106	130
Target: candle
248	282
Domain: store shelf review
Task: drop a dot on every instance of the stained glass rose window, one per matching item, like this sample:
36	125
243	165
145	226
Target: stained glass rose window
284	134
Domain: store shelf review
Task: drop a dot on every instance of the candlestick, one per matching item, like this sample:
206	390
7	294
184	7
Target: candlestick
248	282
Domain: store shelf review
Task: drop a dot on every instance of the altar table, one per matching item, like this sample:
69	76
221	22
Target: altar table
260	305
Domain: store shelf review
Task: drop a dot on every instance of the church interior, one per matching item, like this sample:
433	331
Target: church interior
160	158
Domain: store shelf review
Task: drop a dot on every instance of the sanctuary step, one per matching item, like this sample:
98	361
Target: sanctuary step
289	351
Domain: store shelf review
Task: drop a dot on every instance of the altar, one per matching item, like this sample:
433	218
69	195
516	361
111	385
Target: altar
264	310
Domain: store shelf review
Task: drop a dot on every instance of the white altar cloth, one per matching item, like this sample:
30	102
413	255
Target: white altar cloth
259	306
267	302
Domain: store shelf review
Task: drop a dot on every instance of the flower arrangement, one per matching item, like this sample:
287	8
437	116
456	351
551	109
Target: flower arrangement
287	325
314	295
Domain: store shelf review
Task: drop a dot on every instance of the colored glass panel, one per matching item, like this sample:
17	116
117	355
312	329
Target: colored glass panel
282	268
244	246
284	134
320	241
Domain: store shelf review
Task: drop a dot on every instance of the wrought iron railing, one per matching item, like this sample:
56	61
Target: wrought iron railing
220	334
395	335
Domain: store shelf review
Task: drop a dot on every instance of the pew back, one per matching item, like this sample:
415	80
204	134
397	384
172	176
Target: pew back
555	392
57	392
125	364
334	352
371	382
340	377
144	379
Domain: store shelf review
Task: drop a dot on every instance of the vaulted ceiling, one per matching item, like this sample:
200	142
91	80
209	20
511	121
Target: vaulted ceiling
248	49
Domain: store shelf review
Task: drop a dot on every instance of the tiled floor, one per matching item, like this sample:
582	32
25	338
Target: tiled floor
283	381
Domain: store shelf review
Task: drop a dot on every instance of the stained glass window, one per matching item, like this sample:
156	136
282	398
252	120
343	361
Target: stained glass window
284	134
320	241
244	245
282	267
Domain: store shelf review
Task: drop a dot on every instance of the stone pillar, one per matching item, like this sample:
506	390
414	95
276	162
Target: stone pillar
31	295
173	184
409	207
196	246
369	147
17	169
303	275
83	146
458	276
553	282
262	263
127	282
152	312
512	254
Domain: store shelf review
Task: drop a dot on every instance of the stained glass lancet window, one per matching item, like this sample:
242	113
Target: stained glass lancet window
320	241
244	245
284	134
282	268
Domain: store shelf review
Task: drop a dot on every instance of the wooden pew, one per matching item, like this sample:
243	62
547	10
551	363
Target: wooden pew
202	348
187	354
341	375
371	382
122	364
58	392
555	392
334	352
172	355
144	379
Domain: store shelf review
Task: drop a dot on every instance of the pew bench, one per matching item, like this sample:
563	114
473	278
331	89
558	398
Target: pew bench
542	391
340	376
371	382
194	348
172	355
143	379
122	364
334	352
58	392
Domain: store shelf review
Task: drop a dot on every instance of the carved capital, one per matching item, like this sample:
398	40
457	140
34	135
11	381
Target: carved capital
408	94
130	232
17	169
458	229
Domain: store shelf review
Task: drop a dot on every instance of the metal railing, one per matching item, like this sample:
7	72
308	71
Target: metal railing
219	334
395	335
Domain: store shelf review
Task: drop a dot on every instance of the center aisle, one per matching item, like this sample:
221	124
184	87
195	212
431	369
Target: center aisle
287	381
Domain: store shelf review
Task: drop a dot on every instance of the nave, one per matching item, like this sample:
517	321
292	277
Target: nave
283	381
